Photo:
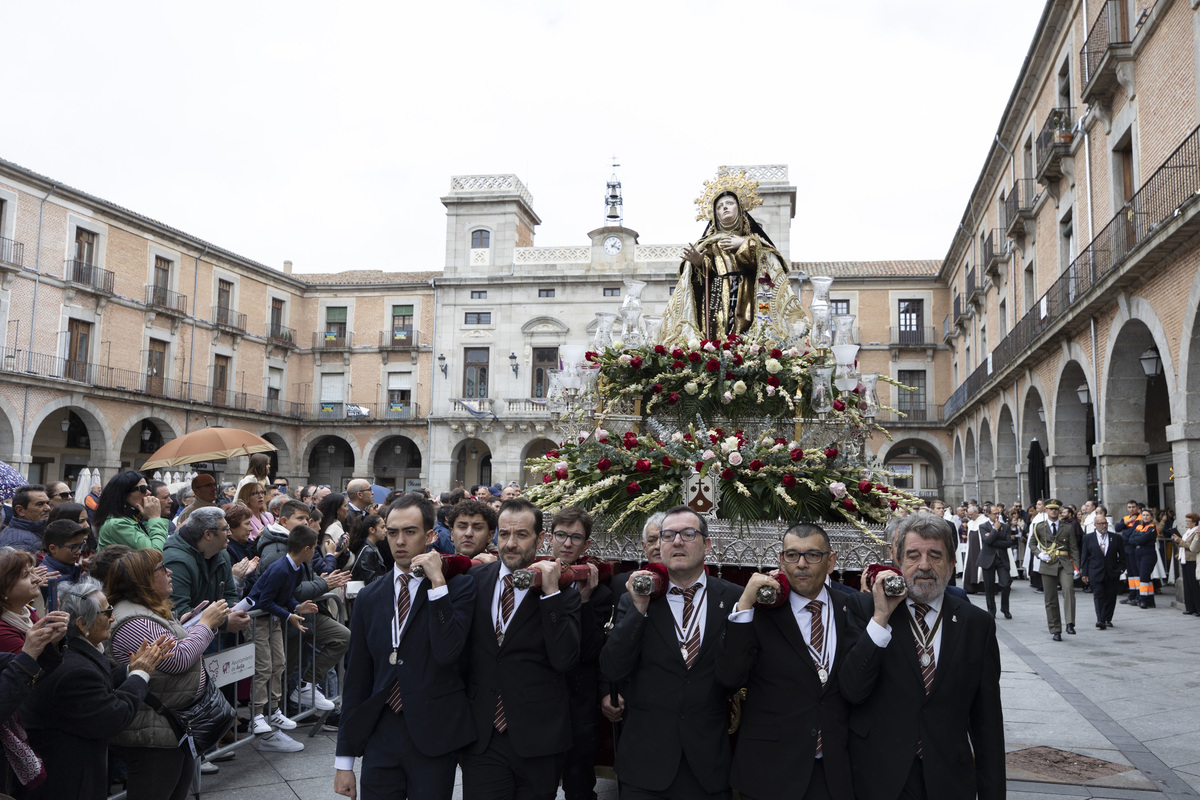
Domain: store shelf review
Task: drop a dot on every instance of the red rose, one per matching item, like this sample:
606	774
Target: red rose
603	464
699	466
734	338
673	398
666	462
636	361
755	465
660	350
546	479
561	473
676	353
629	435
776	353
729	376
788	480
796	454
831	452
892	504
590	355
847	504
678	365
881	487
693	357
737	359
687	437
772	380
656	388
864	487
551	454
632	487
713	365
720	433
780	440
727	474
703	342
642	465
838	405
724	345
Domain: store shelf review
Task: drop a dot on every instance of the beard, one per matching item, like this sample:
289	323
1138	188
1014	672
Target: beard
923	593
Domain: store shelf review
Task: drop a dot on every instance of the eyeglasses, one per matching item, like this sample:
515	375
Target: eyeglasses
576	538
161	568
258	494
65	495
811	556
226	529
74	548
108	612
280	485
143	488
687	534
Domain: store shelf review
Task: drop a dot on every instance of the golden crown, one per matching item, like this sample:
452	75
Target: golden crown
745	188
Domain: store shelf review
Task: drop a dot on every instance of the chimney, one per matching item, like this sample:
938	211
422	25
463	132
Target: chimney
287	267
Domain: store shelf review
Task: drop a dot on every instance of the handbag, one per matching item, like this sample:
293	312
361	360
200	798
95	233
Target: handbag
204	722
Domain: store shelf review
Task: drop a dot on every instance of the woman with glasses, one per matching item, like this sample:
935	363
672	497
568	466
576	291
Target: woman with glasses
77	707
139	590
59	493
254	497
128	514
21	581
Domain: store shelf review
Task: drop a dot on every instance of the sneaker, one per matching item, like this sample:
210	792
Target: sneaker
279	742
261	726
280	721
309	696
209	768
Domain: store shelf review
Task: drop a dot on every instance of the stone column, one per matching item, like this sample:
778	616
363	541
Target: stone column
1123	465
1068	477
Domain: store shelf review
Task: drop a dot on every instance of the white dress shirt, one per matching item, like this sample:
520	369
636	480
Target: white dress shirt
882	636
699	606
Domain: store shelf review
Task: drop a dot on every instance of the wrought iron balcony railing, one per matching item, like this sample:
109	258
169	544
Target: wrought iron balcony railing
162	299
224	317
89	276
12	252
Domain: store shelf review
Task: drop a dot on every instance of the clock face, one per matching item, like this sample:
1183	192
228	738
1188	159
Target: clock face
612	245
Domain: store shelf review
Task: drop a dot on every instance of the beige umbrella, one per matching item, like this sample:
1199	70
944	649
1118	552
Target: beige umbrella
207	444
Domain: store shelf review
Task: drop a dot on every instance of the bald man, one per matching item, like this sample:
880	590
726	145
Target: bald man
358	492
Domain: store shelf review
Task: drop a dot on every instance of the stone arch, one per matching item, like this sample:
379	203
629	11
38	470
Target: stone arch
929	451
545	325
970	464
1032	427
1008	486
470	462
958	471
334	469
1136	410
987	462
1073	437
281	459
128	437
534	449
9	423
389	468
102	452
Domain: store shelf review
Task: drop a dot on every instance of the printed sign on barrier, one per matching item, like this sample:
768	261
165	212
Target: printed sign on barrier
231	665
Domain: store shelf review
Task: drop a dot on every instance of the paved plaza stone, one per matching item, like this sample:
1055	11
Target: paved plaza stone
1125	697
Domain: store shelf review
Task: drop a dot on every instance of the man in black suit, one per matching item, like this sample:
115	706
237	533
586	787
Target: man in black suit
1102	562
994	543
571	532
925	679
674	743
404	706
524	643
792	741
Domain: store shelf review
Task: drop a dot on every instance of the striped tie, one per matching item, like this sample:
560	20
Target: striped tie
689	610
919	612
816	640
402	605
507	601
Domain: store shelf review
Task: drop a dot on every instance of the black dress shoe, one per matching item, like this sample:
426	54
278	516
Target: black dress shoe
1057	637
1101	626
1125	601
1109	623
1071	628
1007	615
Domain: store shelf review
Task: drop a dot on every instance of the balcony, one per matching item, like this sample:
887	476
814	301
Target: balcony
477	408
527	405
89	276
1107	49
161	299
227	398
995	252
228	319
1054	143
975	291
12	253
281	335
401	411
1018	206
332	340
913	414
948	329
908	336
366	412
399	339
961	311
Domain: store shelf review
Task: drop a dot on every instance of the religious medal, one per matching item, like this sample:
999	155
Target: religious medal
392	658
823	674
925	659
683	651
500	640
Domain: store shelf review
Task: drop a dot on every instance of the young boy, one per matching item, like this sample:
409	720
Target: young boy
275	593
63	540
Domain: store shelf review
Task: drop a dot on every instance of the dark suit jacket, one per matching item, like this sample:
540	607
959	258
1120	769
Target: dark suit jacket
71	715
1098	566
993	545
585	677
786	703
431	686
541	646
671	712
960	723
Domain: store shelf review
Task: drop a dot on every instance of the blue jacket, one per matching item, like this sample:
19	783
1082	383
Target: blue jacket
444	543
67	572
275	590
23	535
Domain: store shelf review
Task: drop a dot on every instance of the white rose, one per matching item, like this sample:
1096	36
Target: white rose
739	387
735	458
618	344
625	358
710	347
691	387
730	444
694	344
773	365
676	437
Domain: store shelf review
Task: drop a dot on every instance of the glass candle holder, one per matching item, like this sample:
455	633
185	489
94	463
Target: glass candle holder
603	336
821	396
868	398
821	336
820	284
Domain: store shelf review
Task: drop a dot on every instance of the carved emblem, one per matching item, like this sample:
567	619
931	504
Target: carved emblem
700	493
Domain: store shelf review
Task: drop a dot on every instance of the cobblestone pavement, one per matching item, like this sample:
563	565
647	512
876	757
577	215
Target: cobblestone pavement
1128	696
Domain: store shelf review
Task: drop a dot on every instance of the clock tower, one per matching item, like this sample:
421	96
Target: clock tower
614	242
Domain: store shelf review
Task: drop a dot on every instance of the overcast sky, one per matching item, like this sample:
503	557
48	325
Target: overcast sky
326	133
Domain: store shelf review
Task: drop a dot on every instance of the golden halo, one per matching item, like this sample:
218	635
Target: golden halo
745	188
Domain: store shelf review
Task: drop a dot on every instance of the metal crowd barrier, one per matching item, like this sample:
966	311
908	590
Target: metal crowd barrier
232	664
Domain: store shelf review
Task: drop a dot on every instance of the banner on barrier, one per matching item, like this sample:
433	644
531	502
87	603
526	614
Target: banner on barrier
232	665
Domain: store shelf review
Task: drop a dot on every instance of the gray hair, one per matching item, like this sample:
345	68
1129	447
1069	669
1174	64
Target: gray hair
79	601
926	526
186	494
653	521
277	503
203	519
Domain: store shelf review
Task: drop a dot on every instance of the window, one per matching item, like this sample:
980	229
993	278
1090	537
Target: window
912	321
85	247
225	294
333	393
335	326
983	348
161	283
1066	243
544	360
402	323
274	387
475	373
156	366
904	475
79	340
912	403
612	291
480	239
479	294
545	293
478	318
839	307
276	315
1003	317
1030	287
399	395
220	379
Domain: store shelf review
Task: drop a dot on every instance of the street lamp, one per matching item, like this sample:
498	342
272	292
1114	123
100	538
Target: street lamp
1150	361
512	360
442	365
66	422
1083	394
1042	414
